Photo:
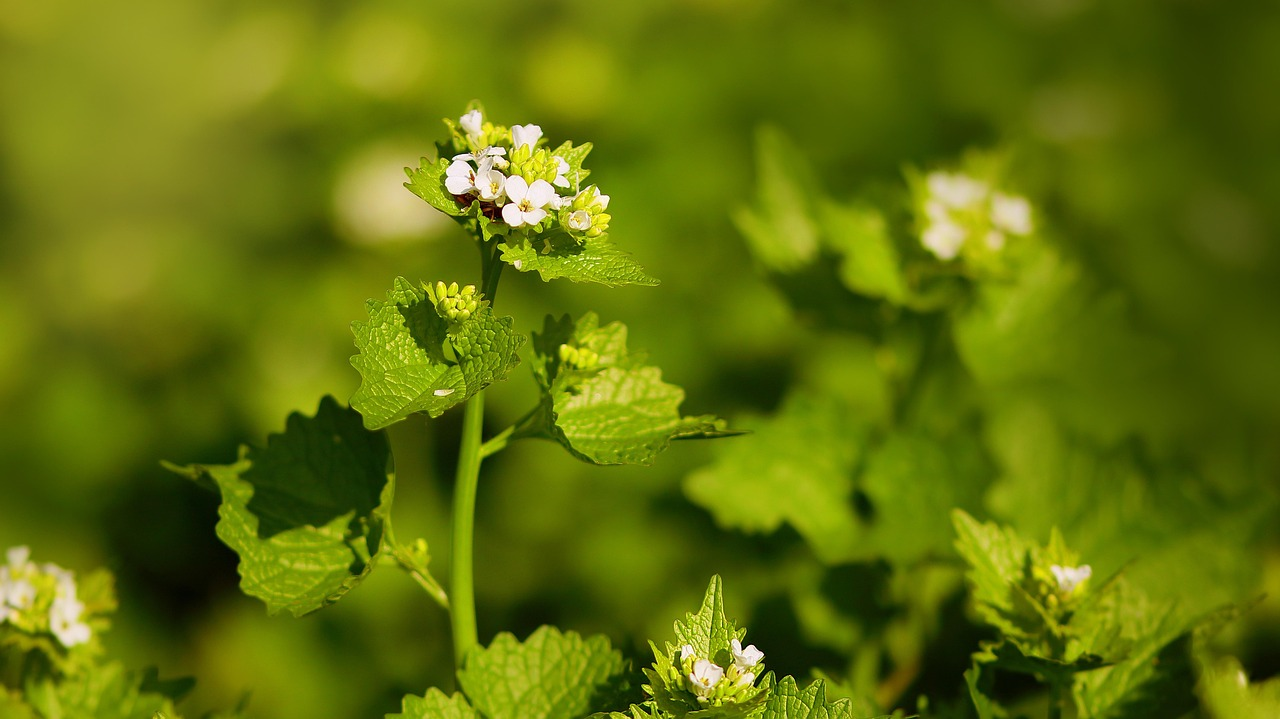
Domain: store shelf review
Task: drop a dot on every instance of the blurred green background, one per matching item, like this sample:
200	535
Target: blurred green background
197	197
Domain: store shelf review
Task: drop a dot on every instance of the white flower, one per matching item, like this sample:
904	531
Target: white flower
460	178
746	679
957	191
525	135
579	220
492	154
686	651
592	195
490	183
16	594
745	658
1070	577
704	677
64	621
18	557
943	238
526	201
561	167
1011	214
473	124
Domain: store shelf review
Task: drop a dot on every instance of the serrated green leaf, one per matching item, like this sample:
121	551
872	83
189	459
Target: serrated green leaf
427	182
551	675
789	701
100	692
1158	678
709	630
998	560
557	255
797	468
306	513
618	411
979	692
869	263
403	362
574	156
1008	656
435	704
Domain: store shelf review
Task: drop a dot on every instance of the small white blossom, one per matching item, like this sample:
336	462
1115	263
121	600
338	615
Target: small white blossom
490	183
686	651
473	124
15	595
746	679
526	201
1070	577
460	178
957	191
64	621
522	135
1011	214
704	677
561	167
745	658
593	194
943	238
579	220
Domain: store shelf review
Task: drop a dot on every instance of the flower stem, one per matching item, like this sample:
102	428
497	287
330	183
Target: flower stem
1055	701
462	584
461	567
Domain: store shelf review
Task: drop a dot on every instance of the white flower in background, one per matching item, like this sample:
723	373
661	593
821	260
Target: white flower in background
1070	577
522	135
490	183
526	201
704	677
18	557
493	155
64	621
995	240
579	221
562	167
1011	214
943	238
473	124
745	658
15	595
956	191
460	178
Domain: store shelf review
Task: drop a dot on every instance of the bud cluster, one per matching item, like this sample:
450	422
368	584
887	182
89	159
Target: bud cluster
453	303
520	184
578	357
41	599
963	214
715	684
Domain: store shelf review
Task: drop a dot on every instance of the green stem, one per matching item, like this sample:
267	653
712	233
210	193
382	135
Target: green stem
470	454
1055	701
462	584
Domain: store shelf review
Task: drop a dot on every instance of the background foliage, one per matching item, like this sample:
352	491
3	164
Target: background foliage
197	198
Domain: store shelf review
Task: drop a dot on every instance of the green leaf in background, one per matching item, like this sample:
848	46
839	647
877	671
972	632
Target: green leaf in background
551	675
979	693
607	407
998	561
435	705
306	513
788	701
869	263
13	707
1227	693
709	631
413	360
556	255
100	692
797	468
778	225
1008	656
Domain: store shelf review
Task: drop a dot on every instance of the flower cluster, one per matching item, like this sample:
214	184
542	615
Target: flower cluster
1070	578
38	599
959	209
521	184
453	303
714	684
578	357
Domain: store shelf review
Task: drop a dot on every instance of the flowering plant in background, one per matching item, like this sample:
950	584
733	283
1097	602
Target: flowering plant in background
966	215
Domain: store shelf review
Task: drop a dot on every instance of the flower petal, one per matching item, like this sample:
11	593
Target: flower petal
511	213
540	193
517	188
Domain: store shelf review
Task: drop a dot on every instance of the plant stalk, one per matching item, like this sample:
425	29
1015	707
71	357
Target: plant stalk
462	581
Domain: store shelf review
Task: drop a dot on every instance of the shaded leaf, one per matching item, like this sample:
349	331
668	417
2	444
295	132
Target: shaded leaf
306	513
557	255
